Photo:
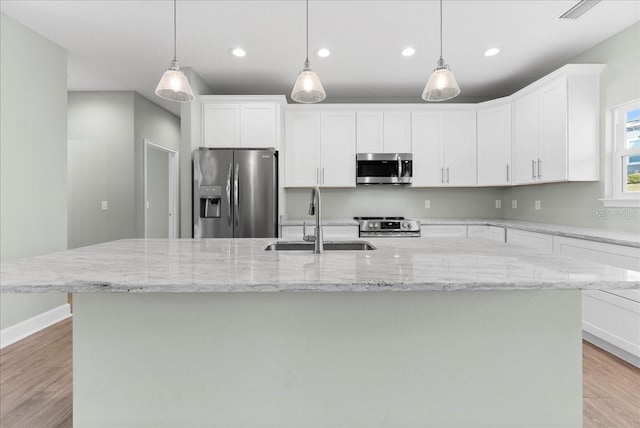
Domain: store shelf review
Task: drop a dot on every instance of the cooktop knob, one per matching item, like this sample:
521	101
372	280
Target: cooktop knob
405	225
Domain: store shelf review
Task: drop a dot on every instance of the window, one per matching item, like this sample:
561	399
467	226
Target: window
626	151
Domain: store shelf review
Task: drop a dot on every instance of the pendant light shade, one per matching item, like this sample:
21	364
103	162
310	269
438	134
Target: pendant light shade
308	88
442	85
173	85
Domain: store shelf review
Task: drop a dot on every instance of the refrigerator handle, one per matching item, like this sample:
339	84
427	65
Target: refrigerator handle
236	196
229	194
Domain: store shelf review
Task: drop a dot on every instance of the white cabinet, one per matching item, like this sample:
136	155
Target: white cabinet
555	135
240	122
444	148
320	149
493	233
494	145
538	241
443	231
384	132
330	232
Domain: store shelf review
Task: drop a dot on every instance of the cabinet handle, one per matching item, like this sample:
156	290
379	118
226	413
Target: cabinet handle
507	173
539	168
447	175
533	169
317	175
442	175
322	175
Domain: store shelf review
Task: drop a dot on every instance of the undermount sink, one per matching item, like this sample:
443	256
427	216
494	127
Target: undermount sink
328	246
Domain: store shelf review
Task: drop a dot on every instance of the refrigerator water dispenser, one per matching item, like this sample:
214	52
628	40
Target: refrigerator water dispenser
210	201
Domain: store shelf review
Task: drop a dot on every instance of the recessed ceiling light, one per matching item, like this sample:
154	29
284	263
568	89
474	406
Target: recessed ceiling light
323	52
492	52
408	51
239	52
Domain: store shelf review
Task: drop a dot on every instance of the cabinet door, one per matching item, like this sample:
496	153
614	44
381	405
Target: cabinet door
494	146
525	139
428	152
338	149
460	148
302	147
369	132
221	127
258	125
397	132
552	165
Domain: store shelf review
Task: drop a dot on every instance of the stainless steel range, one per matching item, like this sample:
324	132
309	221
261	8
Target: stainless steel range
388	227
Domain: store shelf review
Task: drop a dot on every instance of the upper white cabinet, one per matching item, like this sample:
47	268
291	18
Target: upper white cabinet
240	121
444	148
494	144
556	132
383	132
320	148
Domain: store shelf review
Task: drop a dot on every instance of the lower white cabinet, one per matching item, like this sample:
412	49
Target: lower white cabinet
443	231
539	241
493	233
294	233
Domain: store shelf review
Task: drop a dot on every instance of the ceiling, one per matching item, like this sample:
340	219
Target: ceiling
127	44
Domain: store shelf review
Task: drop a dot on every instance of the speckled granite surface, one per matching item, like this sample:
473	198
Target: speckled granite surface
241	265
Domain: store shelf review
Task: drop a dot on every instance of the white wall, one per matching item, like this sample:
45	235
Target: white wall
577	203
33	140
191	139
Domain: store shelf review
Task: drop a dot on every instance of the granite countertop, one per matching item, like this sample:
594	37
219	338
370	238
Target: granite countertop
325	222
241	265
588	233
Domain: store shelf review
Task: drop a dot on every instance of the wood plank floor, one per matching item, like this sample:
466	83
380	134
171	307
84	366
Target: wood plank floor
35	384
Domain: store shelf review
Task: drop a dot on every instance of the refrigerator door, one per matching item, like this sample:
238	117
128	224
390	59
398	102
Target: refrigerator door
255	179
212	193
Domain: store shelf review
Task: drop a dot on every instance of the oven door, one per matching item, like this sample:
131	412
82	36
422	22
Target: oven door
383	168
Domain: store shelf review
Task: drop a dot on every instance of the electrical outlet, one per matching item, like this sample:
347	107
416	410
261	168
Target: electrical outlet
498	203
537	205
105	205
514	203
427	203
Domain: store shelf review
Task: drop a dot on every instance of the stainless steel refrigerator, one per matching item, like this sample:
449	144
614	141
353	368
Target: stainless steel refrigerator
235	193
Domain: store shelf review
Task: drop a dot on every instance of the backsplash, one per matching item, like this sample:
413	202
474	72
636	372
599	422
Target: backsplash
398	201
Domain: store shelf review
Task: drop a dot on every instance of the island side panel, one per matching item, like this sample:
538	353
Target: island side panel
490	358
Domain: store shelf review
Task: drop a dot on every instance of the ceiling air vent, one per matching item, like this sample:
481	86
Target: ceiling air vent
579	9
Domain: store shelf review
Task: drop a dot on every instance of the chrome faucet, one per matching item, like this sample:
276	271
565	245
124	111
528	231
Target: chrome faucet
314	208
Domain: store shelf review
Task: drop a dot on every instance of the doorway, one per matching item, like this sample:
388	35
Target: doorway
160	191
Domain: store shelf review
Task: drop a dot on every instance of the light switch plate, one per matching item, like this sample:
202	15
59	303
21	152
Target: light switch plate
105	205
427	203
537	205
498	203
514	203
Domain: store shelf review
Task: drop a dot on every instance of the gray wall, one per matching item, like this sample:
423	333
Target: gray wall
33	140
190	140
577	203
101	167
396	201
155	124
106	133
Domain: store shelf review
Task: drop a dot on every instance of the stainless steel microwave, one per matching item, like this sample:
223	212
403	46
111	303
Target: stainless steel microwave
384	168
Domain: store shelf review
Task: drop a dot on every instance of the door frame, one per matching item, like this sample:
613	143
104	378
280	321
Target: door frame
174	173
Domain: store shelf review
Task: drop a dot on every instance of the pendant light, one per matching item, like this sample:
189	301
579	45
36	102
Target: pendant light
442	84
308	88
174	85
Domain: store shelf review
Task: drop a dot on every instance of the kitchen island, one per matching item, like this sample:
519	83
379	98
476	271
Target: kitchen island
460	332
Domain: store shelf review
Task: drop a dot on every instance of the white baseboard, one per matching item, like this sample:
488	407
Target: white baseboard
612	349
33	325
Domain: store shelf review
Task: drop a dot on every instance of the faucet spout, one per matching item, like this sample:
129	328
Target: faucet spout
315	209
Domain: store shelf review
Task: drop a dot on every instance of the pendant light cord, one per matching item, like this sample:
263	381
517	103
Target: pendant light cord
440	29
307	30
175	43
